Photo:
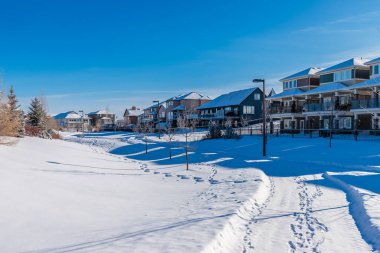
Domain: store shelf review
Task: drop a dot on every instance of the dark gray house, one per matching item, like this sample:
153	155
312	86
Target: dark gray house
235	106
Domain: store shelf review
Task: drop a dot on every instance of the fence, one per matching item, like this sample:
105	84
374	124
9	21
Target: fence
342	134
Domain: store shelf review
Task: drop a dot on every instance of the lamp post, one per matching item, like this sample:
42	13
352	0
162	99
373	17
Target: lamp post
158	118
82	112
264	115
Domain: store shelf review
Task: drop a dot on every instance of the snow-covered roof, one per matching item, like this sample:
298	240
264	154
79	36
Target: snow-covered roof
327	88
366	84
106	118
155	105
303	73
353	62
376	60
287	93
68	115
229	99
179	108
191	95
101	112
133	112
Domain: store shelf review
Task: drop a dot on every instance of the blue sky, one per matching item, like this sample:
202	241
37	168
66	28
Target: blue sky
96	54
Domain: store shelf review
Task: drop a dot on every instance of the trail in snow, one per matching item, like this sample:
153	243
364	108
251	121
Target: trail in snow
290	223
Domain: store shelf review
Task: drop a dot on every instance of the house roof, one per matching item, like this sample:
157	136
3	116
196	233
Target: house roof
272	92
229	99
101	112
191	95
303	73
67	115
366	84
135	112
327	88
155	105
353	62
376	60
287	93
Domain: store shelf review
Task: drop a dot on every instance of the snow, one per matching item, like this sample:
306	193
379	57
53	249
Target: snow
304	73
68	115
287	93
229	99
327	88
101	112
192	95
102	193
366	84
353	62
373	61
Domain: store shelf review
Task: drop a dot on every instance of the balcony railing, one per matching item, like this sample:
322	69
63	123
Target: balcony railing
316	107
365	103
285	109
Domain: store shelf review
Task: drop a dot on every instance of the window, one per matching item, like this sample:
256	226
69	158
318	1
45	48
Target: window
348	74
376	69
336	76
294	83
345	123
247	109
326	123
227	109
257	96
342	75
286	85
287	124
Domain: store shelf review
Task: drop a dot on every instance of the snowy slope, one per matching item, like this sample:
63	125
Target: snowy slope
107	195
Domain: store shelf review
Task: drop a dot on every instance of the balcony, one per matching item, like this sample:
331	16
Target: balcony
365	103
285	109
317	107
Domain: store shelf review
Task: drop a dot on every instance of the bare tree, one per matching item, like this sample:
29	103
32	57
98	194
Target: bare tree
170	134
187	125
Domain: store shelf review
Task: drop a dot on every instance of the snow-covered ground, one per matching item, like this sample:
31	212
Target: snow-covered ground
102	193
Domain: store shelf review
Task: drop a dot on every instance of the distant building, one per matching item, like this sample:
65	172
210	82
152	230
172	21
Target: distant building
131	116
235	106
184	105
102	120
72	121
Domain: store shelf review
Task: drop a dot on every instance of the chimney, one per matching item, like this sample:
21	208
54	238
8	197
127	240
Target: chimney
133	107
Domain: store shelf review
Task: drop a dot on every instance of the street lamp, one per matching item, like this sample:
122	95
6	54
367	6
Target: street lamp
264	115
158	118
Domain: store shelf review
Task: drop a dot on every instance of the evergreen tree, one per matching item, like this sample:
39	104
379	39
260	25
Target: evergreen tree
15	114
37	117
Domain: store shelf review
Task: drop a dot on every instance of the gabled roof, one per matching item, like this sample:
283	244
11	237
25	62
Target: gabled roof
376	60
287	93
303	73
101	112
272	93
326	88
68	115
229	99
366	84
353	62
191	95
155	105
135	112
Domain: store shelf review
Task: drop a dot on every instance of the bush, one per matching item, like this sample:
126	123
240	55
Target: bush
214	131
230	133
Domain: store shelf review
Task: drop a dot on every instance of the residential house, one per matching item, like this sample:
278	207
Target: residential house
365	104
184	106
154	114
131	116
235	106
102	120
323	103
72	121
